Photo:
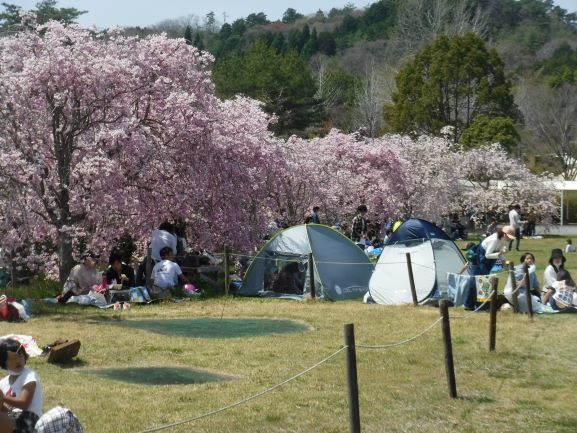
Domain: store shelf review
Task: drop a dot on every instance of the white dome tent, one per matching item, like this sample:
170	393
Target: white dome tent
433	254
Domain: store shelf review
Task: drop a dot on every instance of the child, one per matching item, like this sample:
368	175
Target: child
21	390
166	275
570	248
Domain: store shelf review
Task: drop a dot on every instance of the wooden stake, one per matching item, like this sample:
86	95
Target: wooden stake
352	383
493	315
528	292
449	366
148	268
226	276
412	280
515	300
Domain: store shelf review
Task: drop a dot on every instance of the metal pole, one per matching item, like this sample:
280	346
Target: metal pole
449	366
352	383
412	280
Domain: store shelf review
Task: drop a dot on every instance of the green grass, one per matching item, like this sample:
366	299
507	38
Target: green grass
527	385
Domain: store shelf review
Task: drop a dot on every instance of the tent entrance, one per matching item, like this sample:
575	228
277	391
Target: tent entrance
285	273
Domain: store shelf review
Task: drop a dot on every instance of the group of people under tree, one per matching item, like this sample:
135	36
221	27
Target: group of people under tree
166	274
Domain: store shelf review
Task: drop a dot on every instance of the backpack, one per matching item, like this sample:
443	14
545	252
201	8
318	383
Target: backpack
472	254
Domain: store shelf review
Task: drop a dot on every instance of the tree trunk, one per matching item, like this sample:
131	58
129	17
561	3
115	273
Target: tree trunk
65	259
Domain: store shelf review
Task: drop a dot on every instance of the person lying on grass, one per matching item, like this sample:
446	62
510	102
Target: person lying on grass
21	390
165	275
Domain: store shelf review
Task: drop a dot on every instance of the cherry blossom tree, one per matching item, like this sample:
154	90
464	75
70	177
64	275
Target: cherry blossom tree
339	172
492	181
432	172
102	134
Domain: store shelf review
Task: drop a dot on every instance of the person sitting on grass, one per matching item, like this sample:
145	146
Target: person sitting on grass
20	391
82	277
570	248
119	272
560	295
165	275
556	263
528	259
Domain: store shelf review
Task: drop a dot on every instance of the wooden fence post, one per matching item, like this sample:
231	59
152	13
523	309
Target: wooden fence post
226	276
528	292
449	366
412	280
352	383
515	295
493	315
312	276
148	269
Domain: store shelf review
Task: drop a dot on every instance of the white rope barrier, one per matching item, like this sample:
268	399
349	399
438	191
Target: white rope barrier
400	343
246	400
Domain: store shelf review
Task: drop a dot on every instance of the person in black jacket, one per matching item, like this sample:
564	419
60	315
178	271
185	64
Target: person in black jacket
119	272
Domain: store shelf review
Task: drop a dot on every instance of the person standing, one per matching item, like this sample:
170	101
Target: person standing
515	222
359	229
164	236
315	219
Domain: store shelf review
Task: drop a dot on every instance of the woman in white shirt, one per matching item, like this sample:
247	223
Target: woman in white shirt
21	390
556	263
490	249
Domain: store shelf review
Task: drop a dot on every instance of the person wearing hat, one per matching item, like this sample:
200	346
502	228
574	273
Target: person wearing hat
491	249
556	263
82	277
560	295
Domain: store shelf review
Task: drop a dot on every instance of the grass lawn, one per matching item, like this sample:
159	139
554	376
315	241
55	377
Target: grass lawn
527	385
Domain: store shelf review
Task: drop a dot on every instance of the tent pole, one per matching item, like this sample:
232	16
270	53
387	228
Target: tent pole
312	276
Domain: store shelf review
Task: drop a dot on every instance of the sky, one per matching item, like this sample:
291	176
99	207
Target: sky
108	13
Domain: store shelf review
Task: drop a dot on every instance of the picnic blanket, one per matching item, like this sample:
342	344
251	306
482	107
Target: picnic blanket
27	341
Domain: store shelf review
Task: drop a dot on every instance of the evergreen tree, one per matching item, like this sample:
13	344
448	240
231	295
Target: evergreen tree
278	43
449	83
290	16
46	10
198	42
282	81
188	34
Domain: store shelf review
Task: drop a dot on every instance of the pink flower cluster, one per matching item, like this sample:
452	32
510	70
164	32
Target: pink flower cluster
103	134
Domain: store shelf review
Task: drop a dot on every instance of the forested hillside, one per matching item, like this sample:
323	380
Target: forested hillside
510	66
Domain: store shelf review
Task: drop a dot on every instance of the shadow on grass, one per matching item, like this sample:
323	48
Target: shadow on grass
75	363
215	328
157	375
